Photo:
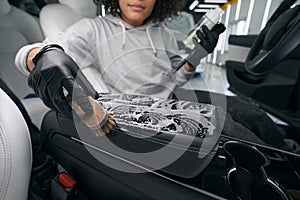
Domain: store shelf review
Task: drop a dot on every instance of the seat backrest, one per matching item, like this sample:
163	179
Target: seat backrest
15	151
17	28
57	17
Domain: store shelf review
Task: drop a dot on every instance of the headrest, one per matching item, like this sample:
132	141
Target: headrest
4	7
86	8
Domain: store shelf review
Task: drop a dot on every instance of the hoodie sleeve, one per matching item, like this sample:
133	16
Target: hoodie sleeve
76	42
21	56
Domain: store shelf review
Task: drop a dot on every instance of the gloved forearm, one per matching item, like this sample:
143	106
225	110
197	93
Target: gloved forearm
206	44
55	71
196	55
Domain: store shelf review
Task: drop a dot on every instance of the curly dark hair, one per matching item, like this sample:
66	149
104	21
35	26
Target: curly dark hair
162	8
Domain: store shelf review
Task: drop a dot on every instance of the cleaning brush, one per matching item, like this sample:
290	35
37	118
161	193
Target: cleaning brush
100	121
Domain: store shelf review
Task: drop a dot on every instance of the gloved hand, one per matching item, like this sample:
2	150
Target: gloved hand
209	38
208	42
55	70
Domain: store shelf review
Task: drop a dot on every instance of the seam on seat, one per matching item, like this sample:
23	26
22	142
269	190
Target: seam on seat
173	145
7	161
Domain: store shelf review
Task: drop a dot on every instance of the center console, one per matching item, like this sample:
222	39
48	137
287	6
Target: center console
129	163
241	170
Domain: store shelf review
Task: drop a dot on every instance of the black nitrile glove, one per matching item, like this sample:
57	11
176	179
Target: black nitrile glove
208	42
55	70
209	38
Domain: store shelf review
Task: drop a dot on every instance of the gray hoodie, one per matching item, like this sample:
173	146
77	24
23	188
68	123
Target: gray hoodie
127	59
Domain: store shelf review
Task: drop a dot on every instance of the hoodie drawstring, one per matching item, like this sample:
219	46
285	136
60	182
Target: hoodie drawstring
148	36
124	34
150	40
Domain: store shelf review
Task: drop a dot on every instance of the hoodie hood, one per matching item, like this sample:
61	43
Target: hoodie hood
125	26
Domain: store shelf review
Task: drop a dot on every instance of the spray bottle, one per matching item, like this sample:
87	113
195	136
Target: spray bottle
210	19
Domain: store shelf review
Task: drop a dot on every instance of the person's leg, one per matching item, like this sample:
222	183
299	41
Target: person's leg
244	119
247	112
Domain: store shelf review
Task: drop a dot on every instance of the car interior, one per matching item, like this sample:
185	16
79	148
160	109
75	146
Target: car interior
264	74
15	34
263	65
16	156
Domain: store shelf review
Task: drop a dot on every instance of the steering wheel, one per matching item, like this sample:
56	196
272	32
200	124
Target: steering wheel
276	41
